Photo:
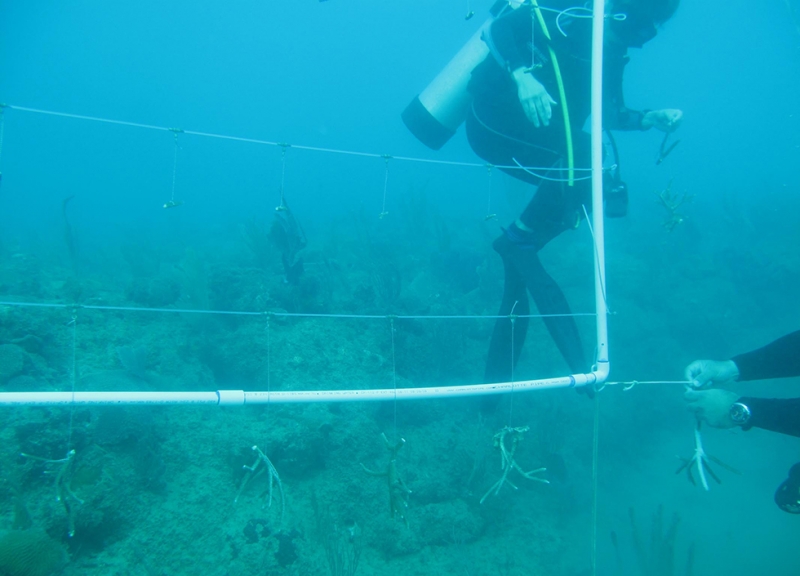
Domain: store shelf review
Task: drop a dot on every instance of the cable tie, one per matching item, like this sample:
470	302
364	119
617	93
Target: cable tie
176	131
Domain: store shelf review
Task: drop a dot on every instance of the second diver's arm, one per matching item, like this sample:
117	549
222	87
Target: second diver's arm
616	115
778	359
775	414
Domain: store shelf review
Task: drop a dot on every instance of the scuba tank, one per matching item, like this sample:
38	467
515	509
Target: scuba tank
435	114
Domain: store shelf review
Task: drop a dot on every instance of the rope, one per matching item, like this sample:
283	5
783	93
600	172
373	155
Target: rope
267	142
281	314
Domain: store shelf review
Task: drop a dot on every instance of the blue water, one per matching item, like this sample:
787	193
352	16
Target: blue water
157	485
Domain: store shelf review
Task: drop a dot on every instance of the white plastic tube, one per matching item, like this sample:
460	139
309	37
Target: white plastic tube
241	397
603	367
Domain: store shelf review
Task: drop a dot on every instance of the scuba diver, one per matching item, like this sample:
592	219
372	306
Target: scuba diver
725	409
288	237
530	100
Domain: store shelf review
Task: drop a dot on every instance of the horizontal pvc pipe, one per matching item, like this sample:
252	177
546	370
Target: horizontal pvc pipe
106	398
241	397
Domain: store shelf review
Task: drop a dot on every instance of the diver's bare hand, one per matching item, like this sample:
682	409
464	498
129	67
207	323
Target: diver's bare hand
712	406
666	120
536	102
707	373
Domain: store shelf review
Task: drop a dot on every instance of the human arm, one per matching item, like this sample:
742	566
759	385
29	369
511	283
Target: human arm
778	359
775	414
508	40
617	116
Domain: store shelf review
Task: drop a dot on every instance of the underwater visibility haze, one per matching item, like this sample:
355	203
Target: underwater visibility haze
202	196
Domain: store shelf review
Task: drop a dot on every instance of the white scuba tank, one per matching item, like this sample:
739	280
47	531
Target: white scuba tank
437	112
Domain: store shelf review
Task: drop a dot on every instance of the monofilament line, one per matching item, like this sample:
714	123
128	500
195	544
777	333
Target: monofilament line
2	129
73	375
394	375
297	146
386	159
283	174
513	320
284	314
174	167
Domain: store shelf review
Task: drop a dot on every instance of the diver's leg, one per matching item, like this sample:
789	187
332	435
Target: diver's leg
553	209
502	358
552	303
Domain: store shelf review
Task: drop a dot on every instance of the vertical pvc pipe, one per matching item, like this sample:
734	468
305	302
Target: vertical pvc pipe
597	190
602	367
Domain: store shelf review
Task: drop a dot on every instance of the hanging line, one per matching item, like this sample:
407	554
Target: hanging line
513	319
172	202
394	376
489	214
269	389
269	344
386	158
282	205
596	257
2	130
73	374
595	464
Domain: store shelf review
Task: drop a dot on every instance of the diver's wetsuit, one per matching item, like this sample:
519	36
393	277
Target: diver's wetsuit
500	133
779	359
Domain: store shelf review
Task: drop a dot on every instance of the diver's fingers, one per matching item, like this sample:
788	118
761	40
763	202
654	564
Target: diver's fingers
698	374
531	112
543	107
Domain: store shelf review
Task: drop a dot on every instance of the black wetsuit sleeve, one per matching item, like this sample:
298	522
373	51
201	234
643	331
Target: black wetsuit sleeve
776	414
779	359
617	116
509	35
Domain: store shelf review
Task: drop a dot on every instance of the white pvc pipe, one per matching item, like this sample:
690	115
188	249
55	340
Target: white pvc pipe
241	397
106	398
598	20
